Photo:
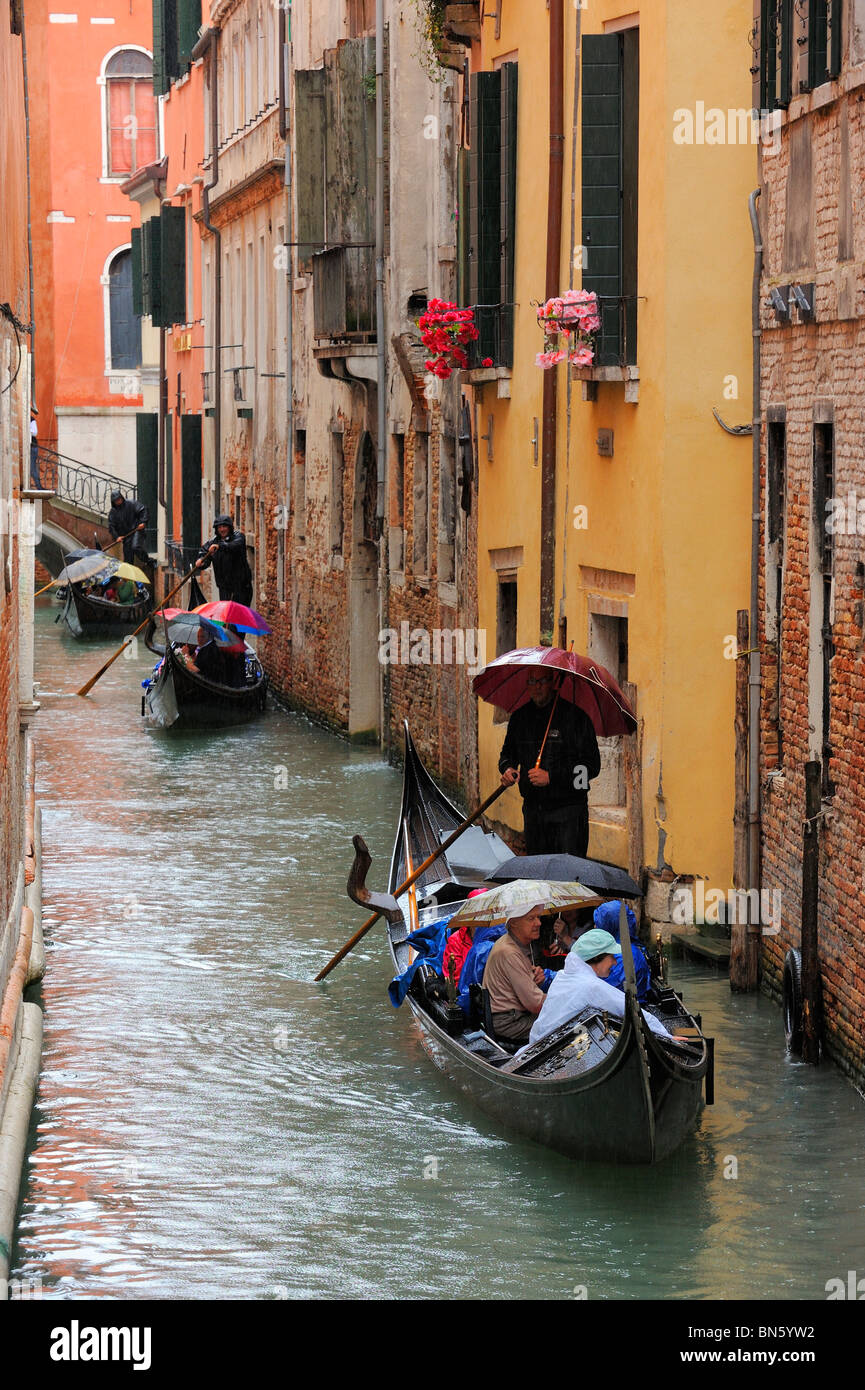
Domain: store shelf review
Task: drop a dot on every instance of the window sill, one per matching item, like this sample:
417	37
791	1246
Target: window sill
590	376
479	376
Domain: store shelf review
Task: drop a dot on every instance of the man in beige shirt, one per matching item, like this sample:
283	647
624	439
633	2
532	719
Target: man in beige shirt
513	980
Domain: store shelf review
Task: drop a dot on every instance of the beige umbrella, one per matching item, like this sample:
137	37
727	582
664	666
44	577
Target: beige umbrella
517	898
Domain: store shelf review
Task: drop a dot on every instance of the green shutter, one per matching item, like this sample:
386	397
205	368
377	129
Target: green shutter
602	184
485	188
188	25
784	22
169	476
160	76
508	216
147	468
836	20
151	269
172	223
190	463
818	34
137	302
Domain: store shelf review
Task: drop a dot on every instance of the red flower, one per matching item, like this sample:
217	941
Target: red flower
487	362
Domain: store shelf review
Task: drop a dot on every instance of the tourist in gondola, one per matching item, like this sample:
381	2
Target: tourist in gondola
583	983
206	659
227	553
515	984
127	515
555	794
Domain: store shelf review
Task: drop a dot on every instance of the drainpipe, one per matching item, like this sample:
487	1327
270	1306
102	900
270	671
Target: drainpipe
208	44
381	364
754	870
549	437
284	135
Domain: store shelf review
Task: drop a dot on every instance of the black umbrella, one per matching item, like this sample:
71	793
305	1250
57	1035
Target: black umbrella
604	878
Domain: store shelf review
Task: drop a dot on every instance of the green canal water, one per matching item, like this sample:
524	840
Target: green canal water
211	1124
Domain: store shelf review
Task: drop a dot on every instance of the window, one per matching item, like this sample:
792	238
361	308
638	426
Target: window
124	327
610	167
824	545
489	192
420	507
608	644
175	33
506	625
300	486
337	490
396	539
361	17
159	268
131	139
447	511
800	47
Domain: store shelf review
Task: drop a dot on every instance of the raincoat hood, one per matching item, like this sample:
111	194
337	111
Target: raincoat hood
224	521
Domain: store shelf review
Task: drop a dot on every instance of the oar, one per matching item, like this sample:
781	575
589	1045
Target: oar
549	722
46	587
88	686
413	878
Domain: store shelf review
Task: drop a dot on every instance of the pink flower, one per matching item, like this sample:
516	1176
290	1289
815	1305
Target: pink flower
582	357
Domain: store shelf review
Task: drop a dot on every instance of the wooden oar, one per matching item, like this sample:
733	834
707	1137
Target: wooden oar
549	722
88	686
413	878
46	587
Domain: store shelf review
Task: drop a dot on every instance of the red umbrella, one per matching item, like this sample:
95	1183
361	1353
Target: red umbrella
236	614
585	683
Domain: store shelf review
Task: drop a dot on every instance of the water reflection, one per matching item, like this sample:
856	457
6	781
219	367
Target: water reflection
212	1123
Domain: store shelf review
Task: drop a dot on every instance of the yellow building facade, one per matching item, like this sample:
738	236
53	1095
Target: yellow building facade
651	533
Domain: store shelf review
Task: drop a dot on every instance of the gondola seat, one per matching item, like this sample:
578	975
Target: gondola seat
481	1010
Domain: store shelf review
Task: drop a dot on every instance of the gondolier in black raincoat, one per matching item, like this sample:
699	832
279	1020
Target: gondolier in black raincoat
128	515
227	553
555	795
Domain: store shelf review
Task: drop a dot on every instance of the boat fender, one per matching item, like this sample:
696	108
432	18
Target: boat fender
793	1001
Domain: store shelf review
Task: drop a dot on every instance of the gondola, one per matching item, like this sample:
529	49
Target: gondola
86	615
599	1088
176	697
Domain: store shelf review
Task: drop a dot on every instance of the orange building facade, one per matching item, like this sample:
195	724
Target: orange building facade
95	120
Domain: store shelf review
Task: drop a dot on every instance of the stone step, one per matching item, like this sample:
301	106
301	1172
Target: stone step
702	948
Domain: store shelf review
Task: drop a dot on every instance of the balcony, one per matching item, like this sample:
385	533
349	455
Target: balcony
495	325
343	284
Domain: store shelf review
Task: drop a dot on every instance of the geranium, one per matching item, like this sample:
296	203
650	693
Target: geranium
445	330
574	316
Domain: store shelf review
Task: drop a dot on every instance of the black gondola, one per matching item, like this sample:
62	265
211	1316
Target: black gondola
179	698
87	615
599	1088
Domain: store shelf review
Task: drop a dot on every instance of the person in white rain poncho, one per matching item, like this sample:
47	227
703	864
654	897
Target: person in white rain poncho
578	985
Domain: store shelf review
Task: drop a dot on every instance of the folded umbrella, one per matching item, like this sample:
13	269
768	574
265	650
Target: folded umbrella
604	878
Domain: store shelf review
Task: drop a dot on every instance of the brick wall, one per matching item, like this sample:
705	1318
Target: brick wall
813	372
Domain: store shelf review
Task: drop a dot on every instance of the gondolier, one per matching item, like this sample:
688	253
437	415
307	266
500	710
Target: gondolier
227	553
127	515
555	792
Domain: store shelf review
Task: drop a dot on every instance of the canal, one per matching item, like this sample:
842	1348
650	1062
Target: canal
211	1124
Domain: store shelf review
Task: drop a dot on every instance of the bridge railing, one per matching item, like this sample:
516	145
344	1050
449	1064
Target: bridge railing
78	483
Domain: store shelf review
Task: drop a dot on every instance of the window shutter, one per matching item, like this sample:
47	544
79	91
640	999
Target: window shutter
137	299
602	184
784	24
310	161
188	25
190	463
146	468
169	476
484	210
508	227
160	75
151	270
818	33
836	32
172	222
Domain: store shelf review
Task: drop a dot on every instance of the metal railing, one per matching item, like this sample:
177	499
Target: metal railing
343	287
78	483
495	325
616	339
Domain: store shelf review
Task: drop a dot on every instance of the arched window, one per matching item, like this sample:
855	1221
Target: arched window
131	138
125	328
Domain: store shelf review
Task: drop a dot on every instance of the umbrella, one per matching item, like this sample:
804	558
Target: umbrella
515	899
585	684
183	628
125	571
604	878
237	614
